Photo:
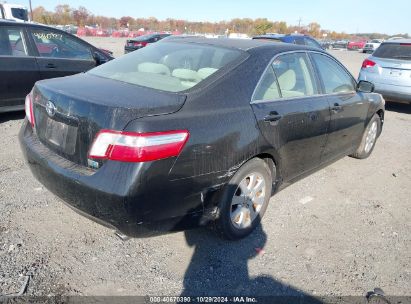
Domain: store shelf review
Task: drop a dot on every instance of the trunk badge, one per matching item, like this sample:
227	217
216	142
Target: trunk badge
50	108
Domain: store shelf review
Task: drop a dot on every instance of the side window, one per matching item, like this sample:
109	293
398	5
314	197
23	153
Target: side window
299	40
59	45
267	88
294	75
333	76
312	43
12	42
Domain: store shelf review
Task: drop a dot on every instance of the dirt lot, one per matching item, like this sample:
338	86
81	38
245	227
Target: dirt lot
342	231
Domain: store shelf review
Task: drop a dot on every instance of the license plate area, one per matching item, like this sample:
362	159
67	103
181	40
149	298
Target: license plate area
61	135
395	73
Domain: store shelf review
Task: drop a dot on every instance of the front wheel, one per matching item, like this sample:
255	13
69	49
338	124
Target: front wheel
245	200
369	138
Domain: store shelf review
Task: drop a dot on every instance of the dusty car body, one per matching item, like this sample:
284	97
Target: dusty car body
195	132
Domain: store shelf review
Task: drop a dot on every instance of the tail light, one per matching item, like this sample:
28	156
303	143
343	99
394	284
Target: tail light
138	147
28	106
140	44
367	64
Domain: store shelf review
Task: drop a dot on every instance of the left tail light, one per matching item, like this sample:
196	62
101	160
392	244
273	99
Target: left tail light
28	106
138	147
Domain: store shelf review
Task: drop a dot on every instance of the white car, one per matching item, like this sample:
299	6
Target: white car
14	12
372	45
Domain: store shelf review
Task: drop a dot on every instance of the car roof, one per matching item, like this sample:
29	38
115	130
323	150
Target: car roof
241	44
397	41
25	23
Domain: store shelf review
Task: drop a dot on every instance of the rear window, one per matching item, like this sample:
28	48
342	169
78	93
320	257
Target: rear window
168	66
394	51
19	13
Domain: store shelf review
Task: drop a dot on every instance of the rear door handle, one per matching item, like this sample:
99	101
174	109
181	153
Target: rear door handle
336	107
50	66
272	117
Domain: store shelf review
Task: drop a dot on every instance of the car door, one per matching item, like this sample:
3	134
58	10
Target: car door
291	115
18	70
348	108
59	54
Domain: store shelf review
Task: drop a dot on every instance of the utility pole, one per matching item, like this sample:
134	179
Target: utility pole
31	11
299	23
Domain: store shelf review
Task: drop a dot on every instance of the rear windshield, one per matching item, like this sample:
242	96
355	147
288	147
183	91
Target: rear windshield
168	66
394	51
19	13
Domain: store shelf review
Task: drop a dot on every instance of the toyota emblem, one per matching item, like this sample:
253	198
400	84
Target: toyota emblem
50	108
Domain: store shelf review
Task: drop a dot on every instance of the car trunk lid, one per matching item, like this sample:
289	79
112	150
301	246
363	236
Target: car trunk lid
70	111
394	71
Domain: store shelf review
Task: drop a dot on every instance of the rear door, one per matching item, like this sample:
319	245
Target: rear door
348	108
18	70
291	115
59	54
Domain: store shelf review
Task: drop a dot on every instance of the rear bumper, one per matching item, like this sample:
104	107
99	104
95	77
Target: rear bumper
128	49
112	196
388	91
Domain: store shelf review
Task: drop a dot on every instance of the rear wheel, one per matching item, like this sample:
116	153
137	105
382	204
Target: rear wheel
369	138
245	200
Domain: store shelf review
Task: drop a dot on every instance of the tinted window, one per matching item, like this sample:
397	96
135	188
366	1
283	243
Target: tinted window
294	75
168	66
19	13
312	43
394	51
59	45
333	76
299	40
267	88
12	42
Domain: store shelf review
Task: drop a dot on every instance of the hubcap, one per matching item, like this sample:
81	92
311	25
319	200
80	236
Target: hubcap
248	200
371	136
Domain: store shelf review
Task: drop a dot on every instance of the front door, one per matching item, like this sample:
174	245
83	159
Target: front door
348	109
291	115
60	54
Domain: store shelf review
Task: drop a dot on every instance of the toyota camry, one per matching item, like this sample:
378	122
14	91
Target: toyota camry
195	131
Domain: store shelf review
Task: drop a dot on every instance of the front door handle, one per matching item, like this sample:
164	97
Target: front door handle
336	107
50	66
272	117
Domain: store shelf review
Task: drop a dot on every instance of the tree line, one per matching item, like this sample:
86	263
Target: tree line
64	14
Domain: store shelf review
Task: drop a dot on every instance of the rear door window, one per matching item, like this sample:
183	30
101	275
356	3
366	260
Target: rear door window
334	78
294	74
12	42
267	88
394	51
59	45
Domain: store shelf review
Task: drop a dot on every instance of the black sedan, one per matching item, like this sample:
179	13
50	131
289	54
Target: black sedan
195	131
30	52
142	41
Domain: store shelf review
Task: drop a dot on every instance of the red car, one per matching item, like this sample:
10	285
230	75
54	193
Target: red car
356	45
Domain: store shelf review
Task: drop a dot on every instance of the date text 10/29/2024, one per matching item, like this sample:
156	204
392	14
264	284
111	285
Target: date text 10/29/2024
205	299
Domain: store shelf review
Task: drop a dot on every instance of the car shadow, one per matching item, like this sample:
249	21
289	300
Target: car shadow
4	117
220	268
398	107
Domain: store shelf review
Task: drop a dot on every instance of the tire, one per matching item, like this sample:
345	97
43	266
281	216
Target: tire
369	138
241	209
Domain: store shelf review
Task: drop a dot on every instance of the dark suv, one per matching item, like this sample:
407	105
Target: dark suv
292	38
142	41
31	52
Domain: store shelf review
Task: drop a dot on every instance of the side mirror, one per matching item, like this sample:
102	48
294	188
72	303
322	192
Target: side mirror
365	86
99	58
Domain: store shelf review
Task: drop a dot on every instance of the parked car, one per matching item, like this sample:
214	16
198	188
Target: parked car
372	45
340	44
30	52
326	44
142	41
355	45
389	69
292	38
192	132
14	12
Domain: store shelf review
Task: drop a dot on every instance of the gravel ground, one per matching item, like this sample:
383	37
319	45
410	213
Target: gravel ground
342	231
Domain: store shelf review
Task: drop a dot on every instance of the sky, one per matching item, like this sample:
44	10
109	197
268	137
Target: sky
350	16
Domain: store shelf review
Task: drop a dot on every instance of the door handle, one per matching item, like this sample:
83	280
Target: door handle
336	107
50	66
272	117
